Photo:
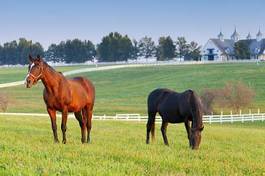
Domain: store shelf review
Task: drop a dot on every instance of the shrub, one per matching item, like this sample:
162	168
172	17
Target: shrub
234	95
207	98
3	102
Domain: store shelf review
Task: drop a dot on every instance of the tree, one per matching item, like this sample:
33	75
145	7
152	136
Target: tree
1	55
51	55
182	47
194	52
115	47
241	49
146	47
165	49
135	50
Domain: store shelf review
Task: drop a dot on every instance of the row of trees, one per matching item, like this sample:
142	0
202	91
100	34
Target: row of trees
113	47
71	51
17	52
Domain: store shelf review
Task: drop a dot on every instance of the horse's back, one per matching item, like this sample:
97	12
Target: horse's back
156	97
174	107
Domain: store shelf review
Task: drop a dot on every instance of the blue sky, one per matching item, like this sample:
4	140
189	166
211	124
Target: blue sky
51	21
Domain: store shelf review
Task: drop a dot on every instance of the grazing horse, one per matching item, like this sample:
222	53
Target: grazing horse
175	107
65	95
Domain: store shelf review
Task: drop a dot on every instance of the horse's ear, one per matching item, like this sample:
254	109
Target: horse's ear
30	58
39	58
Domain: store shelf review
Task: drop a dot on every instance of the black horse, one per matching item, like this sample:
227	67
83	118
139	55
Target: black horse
175	107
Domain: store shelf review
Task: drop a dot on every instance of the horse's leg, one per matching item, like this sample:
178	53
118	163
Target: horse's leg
89	124
52	114
187	125
78	116
63	124
84	121
150	126
164	131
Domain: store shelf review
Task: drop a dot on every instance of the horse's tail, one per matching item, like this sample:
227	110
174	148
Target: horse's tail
150	126
89	87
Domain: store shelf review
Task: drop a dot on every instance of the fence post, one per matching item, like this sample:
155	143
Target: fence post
242	117
262	117
221	117
231	117
250	114
104	117
210	119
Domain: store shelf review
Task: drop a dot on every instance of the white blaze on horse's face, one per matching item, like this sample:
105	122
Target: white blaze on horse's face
34	73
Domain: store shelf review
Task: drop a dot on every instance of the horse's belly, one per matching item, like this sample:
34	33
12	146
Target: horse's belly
77	105
175	120
172	117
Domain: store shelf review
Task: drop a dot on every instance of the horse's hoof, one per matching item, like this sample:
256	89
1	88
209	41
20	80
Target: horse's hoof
64	141
56	141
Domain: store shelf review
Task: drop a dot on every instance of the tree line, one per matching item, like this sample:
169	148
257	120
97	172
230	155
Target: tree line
113	47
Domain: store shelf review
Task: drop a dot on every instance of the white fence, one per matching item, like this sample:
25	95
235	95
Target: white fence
206	118
231	118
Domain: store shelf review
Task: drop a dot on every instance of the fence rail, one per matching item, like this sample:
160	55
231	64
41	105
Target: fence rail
231	118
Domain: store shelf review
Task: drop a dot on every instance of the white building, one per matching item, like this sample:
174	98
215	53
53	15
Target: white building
220	49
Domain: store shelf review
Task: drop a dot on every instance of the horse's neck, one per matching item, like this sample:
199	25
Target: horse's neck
51	79
197	122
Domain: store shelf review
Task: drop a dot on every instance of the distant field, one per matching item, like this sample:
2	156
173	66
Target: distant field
12	74
125	90
118	148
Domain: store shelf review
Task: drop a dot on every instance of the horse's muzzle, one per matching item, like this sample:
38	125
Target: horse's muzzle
28	83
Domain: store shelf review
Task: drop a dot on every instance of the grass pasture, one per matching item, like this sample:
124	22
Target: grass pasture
118	148
125	90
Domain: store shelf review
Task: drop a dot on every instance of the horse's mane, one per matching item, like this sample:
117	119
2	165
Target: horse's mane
197	107
51	68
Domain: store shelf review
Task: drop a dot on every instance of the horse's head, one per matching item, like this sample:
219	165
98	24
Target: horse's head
35	70
195	139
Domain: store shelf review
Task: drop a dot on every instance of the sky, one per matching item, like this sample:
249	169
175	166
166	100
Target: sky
52	21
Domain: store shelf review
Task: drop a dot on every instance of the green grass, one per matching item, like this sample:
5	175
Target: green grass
118	148
126	90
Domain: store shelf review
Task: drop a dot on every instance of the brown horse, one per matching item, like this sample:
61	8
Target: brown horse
65	95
